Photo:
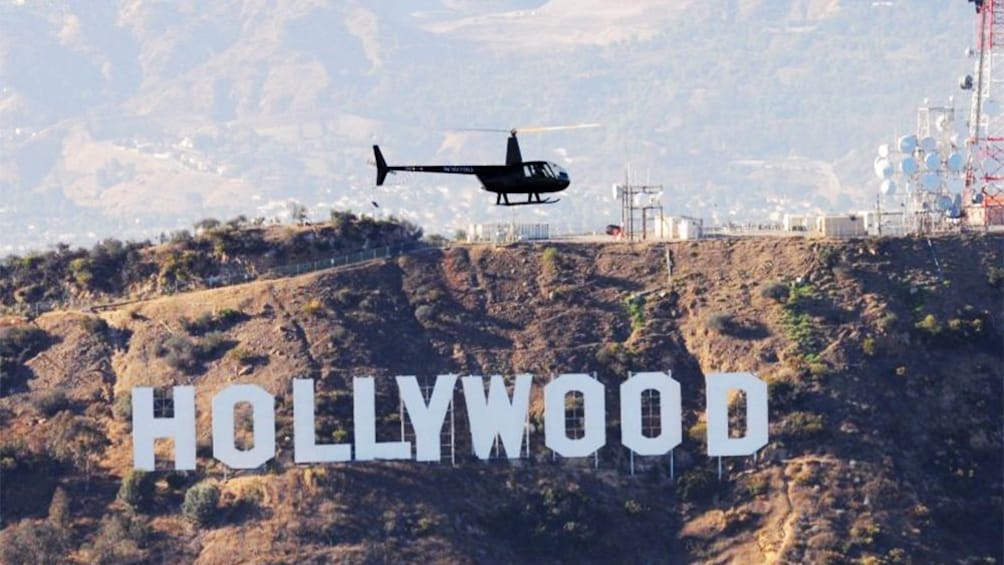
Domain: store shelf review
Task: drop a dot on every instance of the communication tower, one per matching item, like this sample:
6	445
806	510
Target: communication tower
984	190
924	173
641	208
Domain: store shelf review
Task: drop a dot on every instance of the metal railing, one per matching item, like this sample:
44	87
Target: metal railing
34	309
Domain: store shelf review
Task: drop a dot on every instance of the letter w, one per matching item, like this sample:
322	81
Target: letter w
498	416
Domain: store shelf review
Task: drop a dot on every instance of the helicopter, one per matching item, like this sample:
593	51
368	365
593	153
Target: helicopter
515	177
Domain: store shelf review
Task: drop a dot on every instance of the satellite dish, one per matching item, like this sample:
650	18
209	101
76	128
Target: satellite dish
929	144
930	181
955	212
932	161
908	166
883	150
907	143
955	162
888	187
956	184
883	168
978	198
944	203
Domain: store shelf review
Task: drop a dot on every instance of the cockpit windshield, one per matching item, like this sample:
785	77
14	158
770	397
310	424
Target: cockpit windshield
557	171
544	170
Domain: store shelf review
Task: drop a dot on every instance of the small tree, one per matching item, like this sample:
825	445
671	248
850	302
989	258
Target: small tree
200	502
297	212
136	490
59	509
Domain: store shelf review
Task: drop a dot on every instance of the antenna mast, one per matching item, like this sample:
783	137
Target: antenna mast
984	191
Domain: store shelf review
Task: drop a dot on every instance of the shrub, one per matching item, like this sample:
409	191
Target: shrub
995	276
20	343
635	306
633	507
76	441
136	490
313	308
928	325
803	425
721	322
757	486
868	346
696	485
241	356
121	538
777	291
122	408
550	256
200	502
178	352
887	323
212	345
782	393
51	402
425	313
94	325
32	541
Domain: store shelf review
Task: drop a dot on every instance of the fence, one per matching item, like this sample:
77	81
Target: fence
34	309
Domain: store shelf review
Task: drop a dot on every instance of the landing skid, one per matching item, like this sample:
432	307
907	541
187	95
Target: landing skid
503	200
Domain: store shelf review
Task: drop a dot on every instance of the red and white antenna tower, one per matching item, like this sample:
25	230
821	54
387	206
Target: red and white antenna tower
984	193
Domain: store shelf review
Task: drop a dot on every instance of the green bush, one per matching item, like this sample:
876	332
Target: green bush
887	323
136	490
32	541
928	325
200	502
51	402
696	485
635	306
178	352
94	325
20	343
777	291
869	347
122	408
721	322
121	538
550	256
995	276
803	425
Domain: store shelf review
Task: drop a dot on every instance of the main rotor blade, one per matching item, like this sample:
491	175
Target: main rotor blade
492	130
556	128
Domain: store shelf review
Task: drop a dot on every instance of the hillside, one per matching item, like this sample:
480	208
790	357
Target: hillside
884	370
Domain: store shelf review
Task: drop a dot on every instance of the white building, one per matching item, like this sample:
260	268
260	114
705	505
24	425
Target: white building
680	227
849	225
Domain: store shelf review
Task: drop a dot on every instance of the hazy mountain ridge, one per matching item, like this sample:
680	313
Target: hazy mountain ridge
219	110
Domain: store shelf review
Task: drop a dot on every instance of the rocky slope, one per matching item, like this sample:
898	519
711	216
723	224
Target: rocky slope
884	367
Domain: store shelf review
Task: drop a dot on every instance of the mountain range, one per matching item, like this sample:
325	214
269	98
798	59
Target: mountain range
136	118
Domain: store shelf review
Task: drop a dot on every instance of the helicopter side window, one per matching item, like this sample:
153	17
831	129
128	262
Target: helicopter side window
547	171
528	171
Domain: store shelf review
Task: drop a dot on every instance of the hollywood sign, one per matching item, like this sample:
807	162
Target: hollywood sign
491	416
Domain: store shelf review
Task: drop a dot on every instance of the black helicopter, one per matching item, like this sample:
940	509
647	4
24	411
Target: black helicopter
517	176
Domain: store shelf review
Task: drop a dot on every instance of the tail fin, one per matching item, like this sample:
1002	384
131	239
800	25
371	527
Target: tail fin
381	165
